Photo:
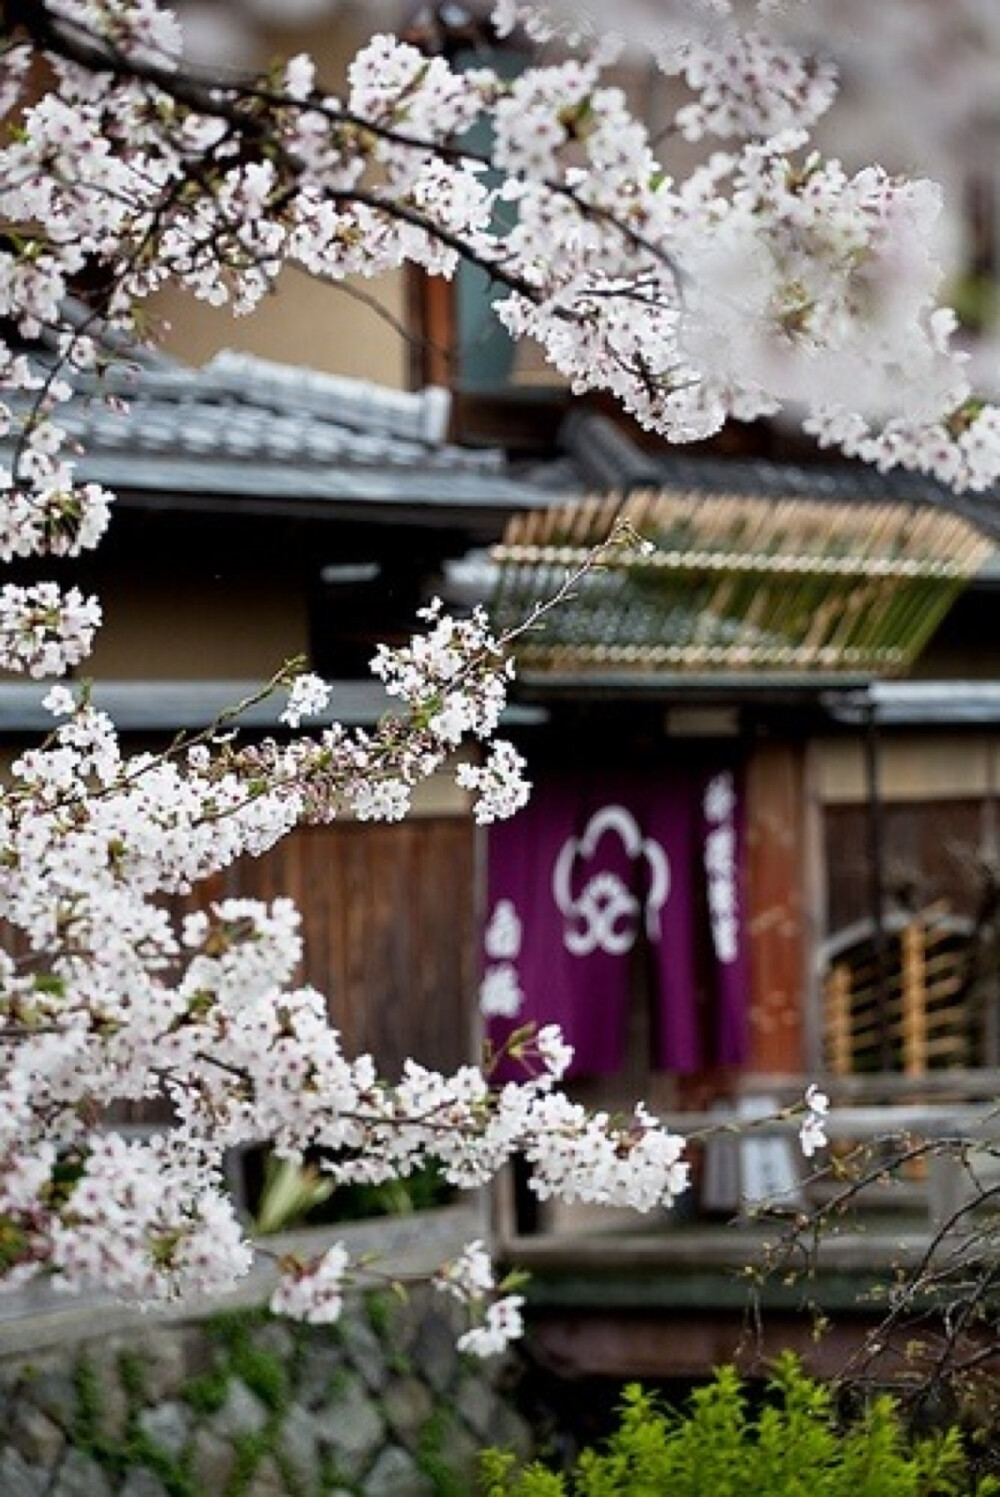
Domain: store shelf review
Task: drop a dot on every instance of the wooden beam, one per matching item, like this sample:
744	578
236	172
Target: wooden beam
685	1345
526	421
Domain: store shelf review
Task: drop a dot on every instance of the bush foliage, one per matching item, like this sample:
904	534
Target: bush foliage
792	1446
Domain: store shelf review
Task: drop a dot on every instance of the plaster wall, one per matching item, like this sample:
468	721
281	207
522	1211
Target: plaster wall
912	767
305	322
183	628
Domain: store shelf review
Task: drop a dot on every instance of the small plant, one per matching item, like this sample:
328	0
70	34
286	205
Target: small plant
792	1447
285	1194
290	1192
432	1456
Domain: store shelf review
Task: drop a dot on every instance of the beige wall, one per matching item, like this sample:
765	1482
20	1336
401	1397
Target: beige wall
912	767
305	322
177	629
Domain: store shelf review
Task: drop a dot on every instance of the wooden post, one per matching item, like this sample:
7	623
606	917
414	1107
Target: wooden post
776	884
876	881
430	303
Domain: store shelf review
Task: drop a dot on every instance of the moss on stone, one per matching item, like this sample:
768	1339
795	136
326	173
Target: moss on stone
249	1450
432	1456
264	1374
175	1476
207	1394
133	1378
136	1449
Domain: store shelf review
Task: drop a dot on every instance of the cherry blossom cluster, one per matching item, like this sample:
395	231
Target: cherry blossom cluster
314	1291
308	697
772	276
452	682
434	669
498	782
109	999
469	1278
754	86
45	630
812	1130
502	1323
753	336
206	1016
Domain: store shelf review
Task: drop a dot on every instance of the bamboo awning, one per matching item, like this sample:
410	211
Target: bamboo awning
735	583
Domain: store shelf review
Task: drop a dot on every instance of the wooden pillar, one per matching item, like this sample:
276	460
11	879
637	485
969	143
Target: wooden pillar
430	302
777	881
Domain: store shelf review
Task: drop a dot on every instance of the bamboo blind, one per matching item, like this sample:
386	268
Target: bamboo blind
736	582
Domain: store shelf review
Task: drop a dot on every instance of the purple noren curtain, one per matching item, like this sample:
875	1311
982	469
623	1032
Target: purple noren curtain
594	864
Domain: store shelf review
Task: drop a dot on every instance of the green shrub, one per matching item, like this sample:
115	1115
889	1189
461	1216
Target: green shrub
720	1447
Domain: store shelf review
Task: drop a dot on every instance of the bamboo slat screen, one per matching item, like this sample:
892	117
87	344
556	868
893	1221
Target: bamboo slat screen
736	583
912	1005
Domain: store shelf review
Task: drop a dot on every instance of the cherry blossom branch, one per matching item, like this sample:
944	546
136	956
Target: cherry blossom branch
769	276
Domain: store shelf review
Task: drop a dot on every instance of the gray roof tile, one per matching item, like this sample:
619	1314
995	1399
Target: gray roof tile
246	427
605	457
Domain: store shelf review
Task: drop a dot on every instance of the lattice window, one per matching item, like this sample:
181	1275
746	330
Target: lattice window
908	1002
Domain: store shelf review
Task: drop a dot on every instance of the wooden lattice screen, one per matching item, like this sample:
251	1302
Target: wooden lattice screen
906	996
736	582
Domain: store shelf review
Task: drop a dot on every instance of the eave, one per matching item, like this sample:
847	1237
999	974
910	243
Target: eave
155	707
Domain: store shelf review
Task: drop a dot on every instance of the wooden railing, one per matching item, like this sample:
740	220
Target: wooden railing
748	1162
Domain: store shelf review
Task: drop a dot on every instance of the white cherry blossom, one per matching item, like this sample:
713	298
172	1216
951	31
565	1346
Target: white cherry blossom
313	1291
773	277
309	696
812	1132
503	1324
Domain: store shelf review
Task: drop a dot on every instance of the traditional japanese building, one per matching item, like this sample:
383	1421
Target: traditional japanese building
763	839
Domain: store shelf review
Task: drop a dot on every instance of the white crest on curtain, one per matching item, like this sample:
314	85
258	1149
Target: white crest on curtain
604	916
500	994
503	932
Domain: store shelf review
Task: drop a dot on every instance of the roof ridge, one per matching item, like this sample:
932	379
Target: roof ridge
350	401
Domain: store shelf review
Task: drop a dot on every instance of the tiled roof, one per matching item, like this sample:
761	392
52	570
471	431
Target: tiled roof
245	426
605	457
288	439
241	408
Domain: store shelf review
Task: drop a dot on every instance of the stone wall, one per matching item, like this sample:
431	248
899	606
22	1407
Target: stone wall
240	1404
